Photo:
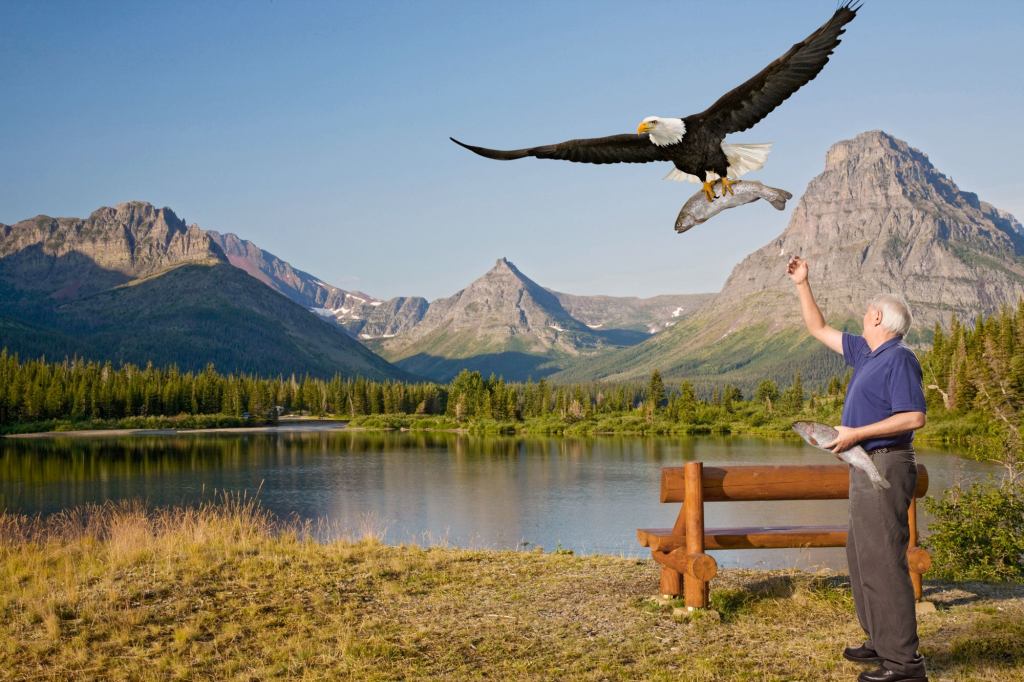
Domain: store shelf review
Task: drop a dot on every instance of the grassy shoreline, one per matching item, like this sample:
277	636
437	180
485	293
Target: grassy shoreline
156	426
155	422
968	433
227	591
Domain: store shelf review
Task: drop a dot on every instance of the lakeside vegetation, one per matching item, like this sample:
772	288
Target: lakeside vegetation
229	591
179	421
974	378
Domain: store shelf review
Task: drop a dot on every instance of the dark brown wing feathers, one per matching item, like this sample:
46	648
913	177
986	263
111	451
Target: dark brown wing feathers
736	110
744	106
626	148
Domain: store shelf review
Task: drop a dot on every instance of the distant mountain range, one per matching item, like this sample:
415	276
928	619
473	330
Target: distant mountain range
136	283
506	323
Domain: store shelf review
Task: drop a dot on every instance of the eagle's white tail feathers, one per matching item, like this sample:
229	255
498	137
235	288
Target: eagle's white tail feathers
743	158
677	175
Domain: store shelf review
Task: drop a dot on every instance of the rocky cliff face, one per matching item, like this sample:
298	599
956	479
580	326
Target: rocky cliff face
71	257
386	319
879	218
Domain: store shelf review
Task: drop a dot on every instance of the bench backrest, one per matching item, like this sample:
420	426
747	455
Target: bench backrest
779	482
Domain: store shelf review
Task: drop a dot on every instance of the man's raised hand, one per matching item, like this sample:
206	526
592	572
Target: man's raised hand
797	269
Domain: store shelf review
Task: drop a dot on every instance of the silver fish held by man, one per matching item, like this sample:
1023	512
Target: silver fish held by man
821	435
698	209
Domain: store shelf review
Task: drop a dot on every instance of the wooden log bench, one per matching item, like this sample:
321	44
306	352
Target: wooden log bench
680	549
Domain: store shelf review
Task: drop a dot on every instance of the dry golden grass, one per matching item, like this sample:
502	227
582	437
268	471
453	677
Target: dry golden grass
228	592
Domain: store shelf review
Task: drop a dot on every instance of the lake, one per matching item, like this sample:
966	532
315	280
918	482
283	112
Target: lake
584	494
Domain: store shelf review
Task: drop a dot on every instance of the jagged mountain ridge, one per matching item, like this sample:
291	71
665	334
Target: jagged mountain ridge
67	258
358	313
134	283
880	217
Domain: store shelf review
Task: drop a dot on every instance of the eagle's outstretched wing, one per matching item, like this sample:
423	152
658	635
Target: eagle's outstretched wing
626	148
742	107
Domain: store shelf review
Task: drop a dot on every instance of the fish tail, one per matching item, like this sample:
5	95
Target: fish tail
880	484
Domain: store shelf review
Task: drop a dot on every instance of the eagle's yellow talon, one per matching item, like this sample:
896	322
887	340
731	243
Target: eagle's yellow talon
727	187
709	191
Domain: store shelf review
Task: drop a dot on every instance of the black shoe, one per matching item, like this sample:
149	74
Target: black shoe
861	654
883	674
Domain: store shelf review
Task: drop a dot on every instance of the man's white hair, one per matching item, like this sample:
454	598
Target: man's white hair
896	315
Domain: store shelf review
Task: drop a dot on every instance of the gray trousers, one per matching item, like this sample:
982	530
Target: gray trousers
876	550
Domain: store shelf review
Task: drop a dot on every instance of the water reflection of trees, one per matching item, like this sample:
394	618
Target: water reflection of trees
40	461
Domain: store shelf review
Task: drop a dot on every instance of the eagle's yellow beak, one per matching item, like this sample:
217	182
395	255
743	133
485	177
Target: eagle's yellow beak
643	127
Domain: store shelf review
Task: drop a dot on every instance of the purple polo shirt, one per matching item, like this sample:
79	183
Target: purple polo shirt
885	381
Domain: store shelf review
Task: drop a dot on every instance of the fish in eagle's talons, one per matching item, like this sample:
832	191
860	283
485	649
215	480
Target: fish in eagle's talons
698	209
695	144
709	188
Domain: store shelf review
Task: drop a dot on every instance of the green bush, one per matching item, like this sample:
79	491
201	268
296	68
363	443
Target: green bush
977	533
413	422
181	421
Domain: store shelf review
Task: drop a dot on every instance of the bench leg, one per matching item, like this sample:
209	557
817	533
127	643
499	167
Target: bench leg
695	590
671	582
918	559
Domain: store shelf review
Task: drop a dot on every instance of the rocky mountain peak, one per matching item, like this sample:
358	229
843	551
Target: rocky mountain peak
881	217
139	213
871	143
501	310
503	267
71	257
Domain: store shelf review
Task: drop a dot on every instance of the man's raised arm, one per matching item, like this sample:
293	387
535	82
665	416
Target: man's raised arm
833	338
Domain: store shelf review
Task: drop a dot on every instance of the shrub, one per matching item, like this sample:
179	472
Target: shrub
977	533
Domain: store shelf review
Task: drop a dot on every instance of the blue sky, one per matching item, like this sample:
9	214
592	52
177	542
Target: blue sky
320	130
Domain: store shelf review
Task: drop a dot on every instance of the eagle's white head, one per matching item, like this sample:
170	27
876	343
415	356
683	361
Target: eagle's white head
663	131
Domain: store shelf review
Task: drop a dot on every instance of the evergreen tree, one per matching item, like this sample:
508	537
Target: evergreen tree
767	394
792	400
687	403
655	391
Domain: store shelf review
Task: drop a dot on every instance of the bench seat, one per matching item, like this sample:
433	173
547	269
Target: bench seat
763	537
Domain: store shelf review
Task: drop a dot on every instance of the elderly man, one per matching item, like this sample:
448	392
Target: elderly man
884	404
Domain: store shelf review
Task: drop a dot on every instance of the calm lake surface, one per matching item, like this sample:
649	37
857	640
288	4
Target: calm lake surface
588	495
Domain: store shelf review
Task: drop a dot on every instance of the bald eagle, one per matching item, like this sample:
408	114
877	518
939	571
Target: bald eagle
694	144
